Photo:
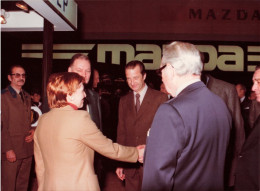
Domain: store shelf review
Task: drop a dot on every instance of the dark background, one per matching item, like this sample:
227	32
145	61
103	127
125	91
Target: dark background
11	49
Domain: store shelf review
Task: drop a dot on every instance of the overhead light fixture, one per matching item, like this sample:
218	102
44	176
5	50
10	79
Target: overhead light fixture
3	17
22	5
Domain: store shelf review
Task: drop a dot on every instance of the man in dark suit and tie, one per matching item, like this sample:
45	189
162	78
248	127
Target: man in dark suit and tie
187	142
81	64
248	167
135	116
245	104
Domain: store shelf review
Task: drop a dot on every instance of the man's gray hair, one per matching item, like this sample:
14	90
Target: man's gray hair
184	57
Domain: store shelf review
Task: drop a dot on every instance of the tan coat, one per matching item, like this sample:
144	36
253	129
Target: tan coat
65	141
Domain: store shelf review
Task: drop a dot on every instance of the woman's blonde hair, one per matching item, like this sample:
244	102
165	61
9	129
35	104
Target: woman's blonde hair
60	85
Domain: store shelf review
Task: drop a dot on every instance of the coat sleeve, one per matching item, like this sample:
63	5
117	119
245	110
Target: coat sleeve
93	138
165	142
39	164
6	143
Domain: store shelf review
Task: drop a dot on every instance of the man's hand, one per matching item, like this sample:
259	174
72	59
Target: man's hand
29	138
140	149
120	173
10	155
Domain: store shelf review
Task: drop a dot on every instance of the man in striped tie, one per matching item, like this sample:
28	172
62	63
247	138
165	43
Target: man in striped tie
136	112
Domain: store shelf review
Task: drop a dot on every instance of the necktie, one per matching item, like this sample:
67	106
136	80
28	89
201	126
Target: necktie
137	105
21	95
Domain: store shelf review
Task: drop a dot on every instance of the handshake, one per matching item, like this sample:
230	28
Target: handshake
140	149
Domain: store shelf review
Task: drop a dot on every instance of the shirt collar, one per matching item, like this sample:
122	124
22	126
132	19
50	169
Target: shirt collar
242	99
142	93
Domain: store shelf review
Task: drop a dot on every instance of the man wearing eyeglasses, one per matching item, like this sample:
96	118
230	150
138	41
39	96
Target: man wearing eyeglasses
189	135
16	133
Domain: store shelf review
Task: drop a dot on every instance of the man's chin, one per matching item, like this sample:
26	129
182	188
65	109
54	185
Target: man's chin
258	98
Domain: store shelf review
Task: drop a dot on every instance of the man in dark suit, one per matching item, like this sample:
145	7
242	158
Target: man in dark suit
245	104
228	93
248	167
254	112
187	142
16	133
135	116
81	64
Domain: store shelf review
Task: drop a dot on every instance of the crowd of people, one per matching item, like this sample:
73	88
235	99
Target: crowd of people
196	133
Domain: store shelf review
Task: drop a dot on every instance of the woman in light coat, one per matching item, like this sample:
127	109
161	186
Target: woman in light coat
66	138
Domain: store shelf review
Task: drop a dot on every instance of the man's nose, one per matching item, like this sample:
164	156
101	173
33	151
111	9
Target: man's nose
254	87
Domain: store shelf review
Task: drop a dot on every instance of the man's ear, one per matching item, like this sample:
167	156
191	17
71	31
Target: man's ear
69	69
9	78
144	76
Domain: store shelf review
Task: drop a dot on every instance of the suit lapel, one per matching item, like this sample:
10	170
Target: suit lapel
146	102
90	102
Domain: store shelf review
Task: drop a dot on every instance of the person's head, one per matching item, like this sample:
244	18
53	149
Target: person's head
181	62
135	75
256	83
241	90
64	88
16	76
95	78
81	65
36	95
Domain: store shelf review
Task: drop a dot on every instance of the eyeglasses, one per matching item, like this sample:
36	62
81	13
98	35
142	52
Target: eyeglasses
17	75
159	71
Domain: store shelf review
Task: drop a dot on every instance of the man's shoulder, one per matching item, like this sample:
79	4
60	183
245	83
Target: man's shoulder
4	91
157	94
221	87
223	83
126	96
154	91
8	92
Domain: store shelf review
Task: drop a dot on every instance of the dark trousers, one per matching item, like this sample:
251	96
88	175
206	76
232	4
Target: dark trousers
133	181
15	176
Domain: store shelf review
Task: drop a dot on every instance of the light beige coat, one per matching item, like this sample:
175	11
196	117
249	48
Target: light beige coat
65	141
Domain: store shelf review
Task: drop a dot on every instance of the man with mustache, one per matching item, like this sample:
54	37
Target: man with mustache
16	132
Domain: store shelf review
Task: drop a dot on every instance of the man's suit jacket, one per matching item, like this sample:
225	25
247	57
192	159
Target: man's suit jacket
133	126
254	112
187	143
65	141
229	95
93	101
15	123
245	108
248	167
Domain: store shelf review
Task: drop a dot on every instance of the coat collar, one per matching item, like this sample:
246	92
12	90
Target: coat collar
192	87
12	91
